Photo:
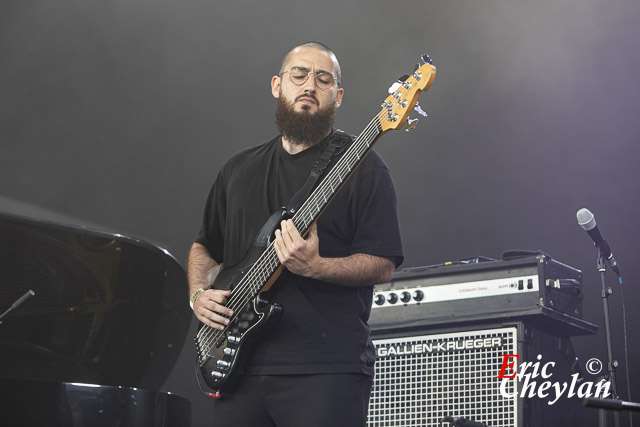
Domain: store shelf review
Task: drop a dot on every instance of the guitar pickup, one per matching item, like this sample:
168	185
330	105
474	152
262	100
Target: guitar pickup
220	341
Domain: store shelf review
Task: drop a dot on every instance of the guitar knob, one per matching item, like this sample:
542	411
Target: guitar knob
418	295
380	299
406	297
393	298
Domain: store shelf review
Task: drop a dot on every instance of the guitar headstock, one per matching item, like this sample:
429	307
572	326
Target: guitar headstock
397	106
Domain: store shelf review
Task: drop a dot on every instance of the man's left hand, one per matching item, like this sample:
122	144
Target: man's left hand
299	255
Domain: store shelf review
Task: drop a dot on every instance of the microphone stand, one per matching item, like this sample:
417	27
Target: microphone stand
612	364
612	404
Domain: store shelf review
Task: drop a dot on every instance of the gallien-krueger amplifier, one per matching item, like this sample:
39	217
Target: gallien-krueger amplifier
530	286
441	334
421	378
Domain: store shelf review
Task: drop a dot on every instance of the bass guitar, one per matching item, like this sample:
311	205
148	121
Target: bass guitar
220	353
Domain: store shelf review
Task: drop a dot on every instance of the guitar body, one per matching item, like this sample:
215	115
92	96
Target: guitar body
222	368
221	353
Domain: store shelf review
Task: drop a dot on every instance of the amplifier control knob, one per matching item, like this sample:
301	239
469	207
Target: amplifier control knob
406	297
418	295
380	299
393	298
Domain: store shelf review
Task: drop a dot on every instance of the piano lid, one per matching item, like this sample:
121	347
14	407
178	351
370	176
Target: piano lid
108	309
44	403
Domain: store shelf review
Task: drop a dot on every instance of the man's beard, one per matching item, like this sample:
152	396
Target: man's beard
304	128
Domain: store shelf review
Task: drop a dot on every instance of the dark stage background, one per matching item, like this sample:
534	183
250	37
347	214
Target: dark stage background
117	114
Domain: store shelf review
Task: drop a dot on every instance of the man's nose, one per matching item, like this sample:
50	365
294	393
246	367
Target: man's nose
310	84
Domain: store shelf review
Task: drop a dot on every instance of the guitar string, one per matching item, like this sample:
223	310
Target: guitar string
247	289
269	258
262	273
214	334
273	262
305	214
314	197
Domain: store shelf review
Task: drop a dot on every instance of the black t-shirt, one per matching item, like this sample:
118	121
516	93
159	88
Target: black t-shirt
323	328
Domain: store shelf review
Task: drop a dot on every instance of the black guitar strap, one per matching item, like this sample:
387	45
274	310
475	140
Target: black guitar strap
338	141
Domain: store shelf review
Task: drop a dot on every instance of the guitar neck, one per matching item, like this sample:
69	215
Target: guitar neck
268	262
322	195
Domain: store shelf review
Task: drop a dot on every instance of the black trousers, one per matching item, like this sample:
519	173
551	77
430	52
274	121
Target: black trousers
320	400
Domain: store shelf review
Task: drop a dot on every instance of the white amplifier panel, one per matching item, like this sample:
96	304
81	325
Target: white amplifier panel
456	291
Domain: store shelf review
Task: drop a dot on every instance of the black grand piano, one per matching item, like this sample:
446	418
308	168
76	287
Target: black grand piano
100	336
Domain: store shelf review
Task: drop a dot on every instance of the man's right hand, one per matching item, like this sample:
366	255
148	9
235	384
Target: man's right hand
209	308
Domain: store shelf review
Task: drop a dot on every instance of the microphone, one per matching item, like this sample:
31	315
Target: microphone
22	299
588	222
18	303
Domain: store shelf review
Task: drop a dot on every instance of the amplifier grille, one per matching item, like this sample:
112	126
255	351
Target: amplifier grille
421	379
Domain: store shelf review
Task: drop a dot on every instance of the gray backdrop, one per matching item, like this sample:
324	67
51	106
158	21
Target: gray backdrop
118	114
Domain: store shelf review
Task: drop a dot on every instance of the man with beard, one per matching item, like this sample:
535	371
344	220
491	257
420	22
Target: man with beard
315	368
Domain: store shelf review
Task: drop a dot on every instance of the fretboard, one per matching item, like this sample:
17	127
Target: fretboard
337	176
268	262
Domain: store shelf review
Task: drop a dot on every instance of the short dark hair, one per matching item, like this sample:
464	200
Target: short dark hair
316	45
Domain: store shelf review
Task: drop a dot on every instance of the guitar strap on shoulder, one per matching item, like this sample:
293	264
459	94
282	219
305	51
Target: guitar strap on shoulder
338	141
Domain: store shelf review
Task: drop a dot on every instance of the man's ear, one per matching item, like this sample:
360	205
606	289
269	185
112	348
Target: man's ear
275	86
339	97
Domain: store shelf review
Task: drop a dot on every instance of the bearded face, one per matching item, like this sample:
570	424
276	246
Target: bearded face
304	127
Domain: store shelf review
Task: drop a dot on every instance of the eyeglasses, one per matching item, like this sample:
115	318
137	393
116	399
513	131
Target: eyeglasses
299	76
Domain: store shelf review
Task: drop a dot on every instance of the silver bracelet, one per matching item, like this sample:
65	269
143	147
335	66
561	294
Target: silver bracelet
194	296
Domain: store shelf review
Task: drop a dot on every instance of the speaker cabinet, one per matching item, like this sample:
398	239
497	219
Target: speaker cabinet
422	377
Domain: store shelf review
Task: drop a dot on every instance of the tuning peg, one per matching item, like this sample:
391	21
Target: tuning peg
426	59
394	87
403	79
411	123
420	111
